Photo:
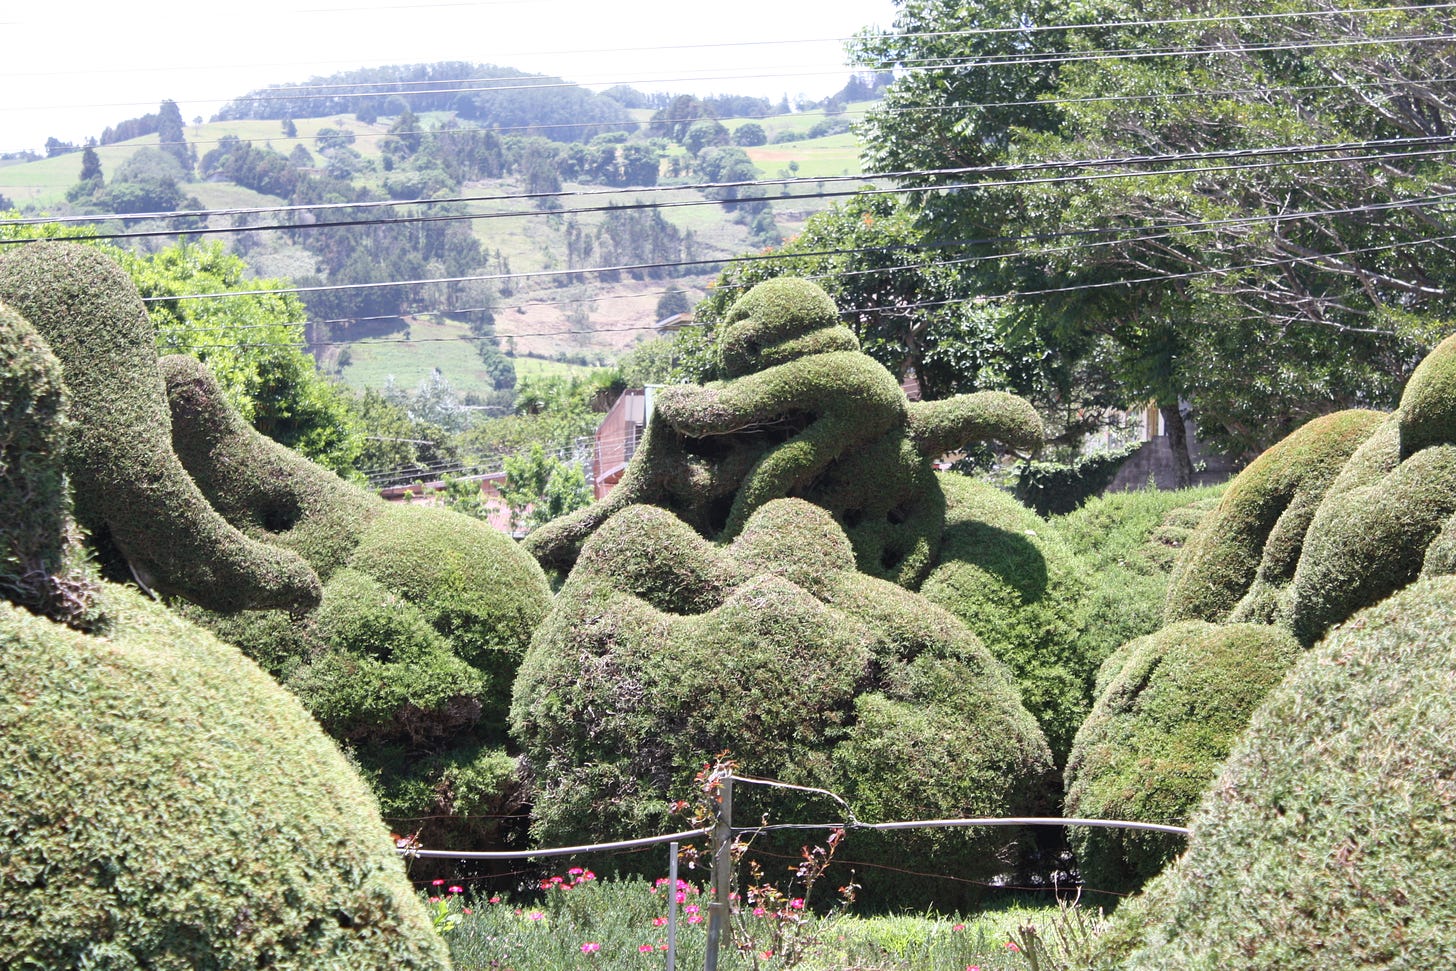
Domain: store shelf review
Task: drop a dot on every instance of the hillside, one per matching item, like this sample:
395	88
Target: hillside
520	246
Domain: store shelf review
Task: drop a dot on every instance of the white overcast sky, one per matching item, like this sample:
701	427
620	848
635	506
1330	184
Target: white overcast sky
72	67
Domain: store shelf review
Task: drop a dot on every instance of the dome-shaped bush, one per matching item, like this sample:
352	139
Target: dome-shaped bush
1428	404
1326	841
168	806
663	650
1007	576
1171	711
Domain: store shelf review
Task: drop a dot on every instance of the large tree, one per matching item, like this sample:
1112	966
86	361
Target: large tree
1188	199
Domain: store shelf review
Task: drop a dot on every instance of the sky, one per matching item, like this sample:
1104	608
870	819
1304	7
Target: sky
73	67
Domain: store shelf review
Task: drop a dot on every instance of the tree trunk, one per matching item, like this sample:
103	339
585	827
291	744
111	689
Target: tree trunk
1177	444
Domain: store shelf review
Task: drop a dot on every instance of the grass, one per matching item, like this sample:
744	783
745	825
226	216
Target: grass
622	924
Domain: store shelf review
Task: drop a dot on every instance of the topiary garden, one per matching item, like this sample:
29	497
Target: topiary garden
781	574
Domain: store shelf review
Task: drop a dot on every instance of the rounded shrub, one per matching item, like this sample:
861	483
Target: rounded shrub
1368	542
1005	573
1327	839
663	650
1157	735
168	806
129	489
1428	404
1241	559
41	565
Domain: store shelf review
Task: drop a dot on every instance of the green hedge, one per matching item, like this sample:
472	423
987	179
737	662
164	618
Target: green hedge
1054	488
1009	578
1239	562
662	650
168	806
129	488
1326	841
1173	707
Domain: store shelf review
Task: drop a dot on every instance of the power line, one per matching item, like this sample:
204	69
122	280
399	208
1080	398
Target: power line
1065	164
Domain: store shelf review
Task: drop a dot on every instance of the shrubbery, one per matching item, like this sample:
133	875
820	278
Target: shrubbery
1173	705
1326	840
662	647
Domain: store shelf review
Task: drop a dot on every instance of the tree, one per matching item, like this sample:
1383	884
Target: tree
172	136
290	130
705	134
90	165
749	134
539	487
1176	272
673	301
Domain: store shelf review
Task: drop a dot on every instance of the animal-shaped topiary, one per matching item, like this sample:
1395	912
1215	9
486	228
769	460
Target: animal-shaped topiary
662	647
801	412
128	486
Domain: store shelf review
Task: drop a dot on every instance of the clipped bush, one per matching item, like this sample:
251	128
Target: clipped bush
168	806
663	649
425	615
129	489
1428	403
1327	839
1055	488
42	567
802	413
1239	562
1128	542
1007	576
1170	713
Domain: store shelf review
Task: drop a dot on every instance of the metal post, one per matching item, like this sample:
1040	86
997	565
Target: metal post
672	906
722	869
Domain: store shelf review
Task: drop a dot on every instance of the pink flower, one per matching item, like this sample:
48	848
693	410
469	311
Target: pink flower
695	919
690	909
1011	946
465	910
797	903
768	954
759	911
588	875
575	871
681	896
556	880
457	889
645	949
494	900
535	915
434	900
973	967
437	883
658	921
590	947
959	927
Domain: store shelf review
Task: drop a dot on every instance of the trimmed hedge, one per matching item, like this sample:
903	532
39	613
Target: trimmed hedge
1157	735
1239	562
803	414
662	650
1128	542
41	563
129	488
1428	403
1007	576
425	616
168	806
1327	839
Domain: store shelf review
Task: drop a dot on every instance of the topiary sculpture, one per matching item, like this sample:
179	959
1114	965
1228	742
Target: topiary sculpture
167	805
1327	839
662	647
1240	561
1174	704
1370	534
801	413
425	616
425	613
128	486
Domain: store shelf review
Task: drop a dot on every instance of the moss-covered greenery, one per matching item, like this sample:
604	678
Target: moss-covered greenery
802	413
1128	542
1172	709
168	806
663	649
1428	403
129	489
41	564
1327	841
425	616
1241	559
1009	578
